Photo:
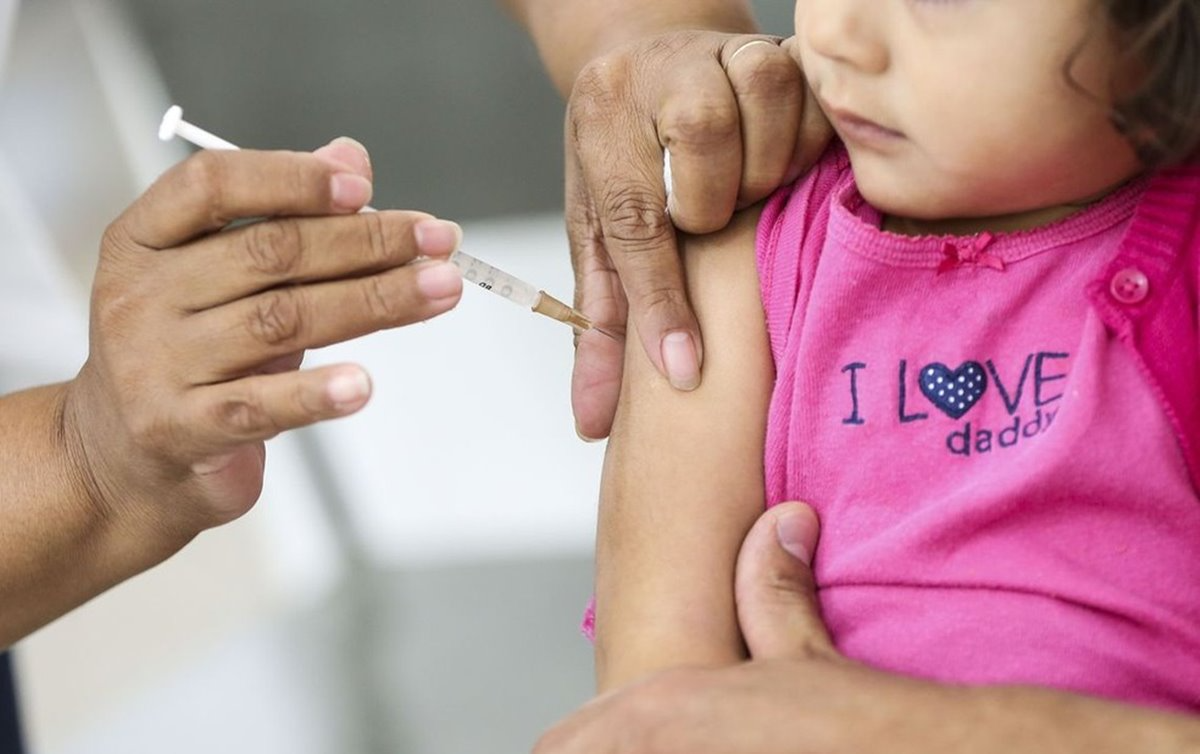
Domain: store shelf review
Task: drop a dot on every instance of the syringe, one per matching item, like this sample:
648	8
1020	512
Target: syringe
473	270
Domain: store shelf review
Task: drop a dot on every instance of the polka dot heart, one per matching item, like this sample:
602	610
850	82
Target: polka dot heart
954	391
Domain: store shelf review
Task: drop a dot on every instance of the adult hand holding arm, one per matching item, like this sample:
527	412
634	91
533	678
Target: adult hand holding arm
197	333
797	695
738	121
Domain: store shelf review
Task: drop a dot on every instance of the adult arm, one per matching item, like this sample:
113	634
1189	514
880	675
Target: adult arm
197	333
683	480
571	33
798	696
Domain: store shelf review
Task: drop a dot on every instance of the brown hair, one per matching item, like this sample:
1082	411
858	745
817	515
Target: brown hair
1161	115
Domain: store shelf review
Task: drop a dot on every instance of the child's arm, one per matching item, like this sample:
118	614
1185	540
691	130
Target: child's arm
683	479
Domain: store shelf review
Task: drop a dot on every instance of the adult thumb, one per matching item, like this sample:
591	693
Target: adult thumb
776	595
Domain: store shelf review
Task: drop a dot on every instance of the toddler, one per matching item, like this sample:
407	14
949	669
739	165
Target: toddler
969	339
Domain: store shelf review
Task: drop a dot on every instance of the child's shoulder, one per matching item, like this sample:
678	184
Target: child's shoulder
795	210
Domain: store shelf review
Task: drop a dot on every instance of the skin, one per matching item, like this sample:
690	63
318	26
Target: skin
682	481
1004	109
642	77
797	695
653	611
197	333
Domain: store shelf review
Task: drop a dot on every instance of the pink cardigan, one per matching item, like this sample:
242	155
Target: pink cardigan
1000	434
1162	330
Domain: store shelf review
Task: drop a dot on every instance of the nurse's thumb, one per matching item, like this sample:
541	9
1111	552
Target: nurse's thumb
776	596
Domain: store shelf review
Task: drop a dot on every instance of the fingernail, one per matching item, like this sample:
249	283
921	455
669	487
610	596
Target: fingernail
349	191
438	280
437	238
348	389
797	534
353	143
679	358
344	153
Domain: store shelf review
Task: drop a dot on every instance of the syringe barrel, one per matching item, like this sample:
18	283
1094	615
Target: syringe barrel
497	281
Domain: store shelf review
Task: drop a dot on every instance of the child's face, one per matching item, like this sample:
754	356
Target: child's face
964	108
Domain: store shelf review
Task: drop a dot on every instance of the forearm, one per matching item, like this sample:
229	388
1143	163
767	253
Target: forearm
683	481
1009	719
569	33
58	547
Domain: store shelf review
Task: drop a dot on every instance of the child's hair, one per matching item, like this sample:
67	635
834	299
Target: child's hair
1161	116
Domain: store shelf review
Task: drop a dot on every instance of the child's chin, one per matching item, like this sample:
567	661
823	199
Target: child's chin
896	201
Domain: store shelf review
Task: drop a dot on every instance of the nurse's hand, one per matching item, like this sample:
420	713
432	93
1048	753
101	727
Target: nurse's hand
739	121
198	328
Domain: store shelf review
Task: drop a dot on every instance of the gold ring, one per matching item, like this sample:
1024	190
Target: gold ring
738	51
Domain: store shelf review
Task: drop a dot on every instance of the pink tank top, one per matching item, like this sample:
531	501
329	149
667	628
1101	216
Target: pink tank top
1003	498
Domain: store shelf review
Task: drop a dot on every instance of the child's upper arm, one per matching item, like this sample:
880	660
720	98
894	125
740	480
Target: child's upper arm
683	478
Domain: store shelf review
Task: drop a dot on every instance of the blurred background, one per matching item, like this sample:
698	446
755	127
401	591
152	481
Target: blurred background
413	578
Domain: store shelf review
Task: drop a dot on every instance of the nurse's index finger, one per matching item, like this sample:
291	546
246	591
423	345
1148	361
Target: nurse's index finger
210	189
629	196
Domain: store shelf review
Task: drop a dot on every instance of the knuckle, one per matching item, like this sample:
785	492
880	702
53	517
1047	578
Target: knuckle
600	85
244	416
308	399
276	318
119	298
701	123
202	169
659	298
112	308
763	71
308	181
634	216
377	237
116	242
274	248
204	174
380	301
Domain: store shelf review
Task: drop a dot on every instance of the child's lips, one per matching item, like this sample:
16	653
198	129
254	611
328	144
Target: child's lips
854	127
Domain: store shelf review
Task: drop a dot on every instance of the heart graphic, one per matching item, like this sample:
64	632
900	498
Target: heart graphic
954	391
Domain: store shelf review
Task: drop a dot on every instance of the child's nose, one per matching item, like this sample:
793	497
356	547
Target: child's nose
847	31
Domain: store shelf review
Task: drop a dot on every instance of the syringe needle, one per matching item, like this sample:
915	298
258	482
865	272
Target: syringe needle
551	307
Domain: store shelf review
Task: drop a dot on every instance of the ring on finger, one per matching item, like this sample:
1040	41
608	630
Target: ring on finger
739	50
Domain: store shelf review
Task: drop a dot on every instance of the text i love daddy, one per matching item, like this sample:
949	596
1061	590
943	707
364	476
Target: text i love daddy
935	389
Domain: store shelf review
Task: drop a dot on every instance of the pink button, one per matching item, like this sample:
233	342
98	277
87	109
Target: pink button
1130	286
